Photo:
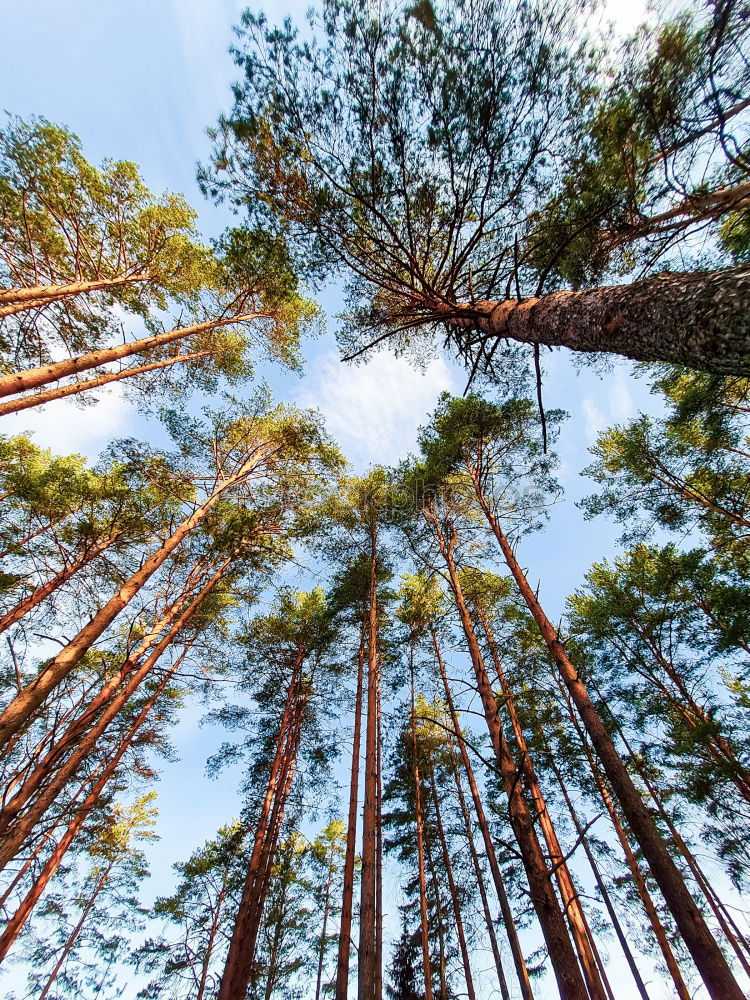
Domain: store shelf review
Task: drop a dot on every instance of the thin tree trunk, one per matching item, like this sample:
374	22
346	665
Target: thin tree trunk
19	918
74	388
345	930
439	918
479	876
419	820
73	937
379	850
489	847
324	929
206	962
706	953
562	956
14	300
698	319
34	378
588	953
44	590
453	892
367	908
23	706
581	832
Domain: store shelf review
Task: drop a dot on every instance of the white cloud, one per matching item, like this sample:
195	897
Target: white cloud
374	410
67	428
616	407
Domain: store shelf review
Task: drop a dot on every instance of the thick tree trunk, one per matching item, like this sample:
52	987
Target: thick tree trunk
26	702
33	378
455	902
15	300
700	319
419	822
345	927
588	953
706	953
74	388
489	847
368	957
562	956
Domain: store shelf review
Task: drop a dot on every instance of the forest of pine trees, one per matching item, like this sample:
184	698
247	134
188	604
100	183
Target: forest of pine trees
447	788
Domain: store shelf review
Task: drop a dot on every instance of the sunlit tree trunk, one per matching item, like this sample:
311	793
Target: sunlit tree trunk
15	300
419	822
706	953
345	928
367	910
23	706
74	388
34	378
562	956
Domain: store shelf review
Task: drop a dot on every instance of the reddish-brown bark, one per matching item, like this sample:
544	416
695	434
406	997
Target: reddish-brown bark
419	822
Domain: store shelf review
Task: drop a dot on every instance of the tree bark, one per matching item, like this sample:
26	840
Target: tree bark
38	399
562	956
453	893
489	847
15	300
33	378
588	954
419	821
22	707
368	957
345	928
700	320
706	953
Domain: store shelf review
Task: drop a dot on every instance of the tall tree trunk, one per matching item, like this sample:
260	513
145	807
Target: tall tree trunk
324	929
79	726
698	319
345	928
239	962
456	904
44	590
439	919
206	959
19	918
706	953
562	956
15	300
734	936
23	826
367	909
34	378
638	877
379	849
74	934
74	388
614	919
419	821
479	876
489	847
588	953
23	706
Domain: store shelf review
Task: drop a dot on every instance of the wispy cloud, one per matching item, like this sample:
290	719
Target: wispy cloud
374	410
617	407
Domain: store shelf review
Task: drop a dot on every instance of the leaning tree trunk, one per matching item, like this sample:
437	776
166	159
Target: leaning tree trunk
345	925
22	707
33	378
74	388
700	942
699	319
16	300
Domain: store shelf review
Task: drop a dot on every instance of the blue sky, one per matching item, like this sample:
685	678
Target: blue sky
141	81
